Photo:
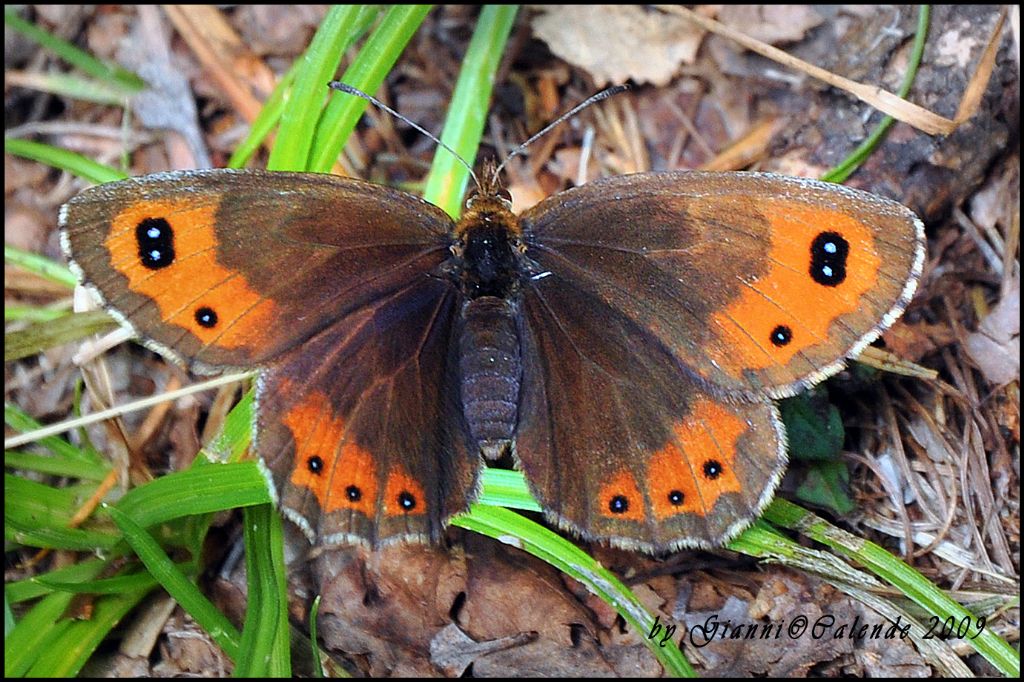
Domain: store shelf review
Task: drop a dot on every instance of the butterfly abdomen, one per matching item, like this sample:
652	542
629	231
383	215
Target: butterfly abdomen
490	366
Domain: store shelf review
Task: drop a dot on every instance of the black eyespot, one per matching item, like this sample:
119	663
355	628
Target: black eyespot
206	317
354	493
829	253
156	243
406	501
315	464
676	497
712	469
619	504
782	335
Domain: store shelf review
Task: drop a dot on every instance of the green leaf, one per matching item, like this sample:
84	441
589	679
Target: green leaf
309	92
30	641
210	489
367	72
39	515
266	636
41	336
826	485
179	585
814	427
467	112
56	157
111	74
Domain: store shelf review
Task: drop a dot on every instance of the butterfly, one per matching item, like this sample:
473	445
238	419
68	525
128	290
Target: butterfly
623	340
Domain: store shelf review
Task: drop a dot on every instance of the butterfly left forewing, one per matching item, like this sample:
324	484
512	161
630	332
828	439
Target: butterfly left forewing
332	285
224	268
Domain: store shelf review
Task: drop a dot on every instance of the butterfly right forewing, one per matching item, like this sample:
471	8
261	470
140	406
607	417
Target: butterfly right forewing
760	284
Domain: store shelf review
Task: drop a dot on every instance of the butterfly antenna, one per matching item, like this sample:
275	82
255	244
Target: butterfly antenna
343	87
593	99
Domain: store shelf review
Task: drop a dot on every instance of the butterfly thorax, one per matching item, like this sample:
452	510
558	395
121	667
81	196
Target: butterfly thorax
488	256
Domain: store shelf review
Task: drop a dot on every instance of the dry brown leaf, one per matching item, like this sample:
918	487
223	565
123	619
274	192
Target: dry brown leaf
995	347
452	651
387	606
772	24
614	43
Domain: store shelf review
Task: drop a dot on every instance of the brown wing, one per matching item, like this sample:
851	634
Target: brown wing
223	268
362	427
328	281
620	442
667	310
759	284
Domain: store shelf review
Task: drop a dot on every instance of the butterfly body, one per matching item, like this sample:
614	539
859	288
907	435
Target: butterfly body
489	267
624	339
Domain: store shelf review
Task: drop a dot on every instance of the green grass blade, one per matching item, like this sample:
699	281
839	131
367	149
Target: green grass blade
232	444
367	72
510	527
77	640
111	74
38	515
897	573
464	125
30	313
504	488
38	586
268	118
27	642
119	585
319	63
54	466
41	336
273	109
72	86
40	265
852	162
266	636
210	489
177	584
74	163
18	420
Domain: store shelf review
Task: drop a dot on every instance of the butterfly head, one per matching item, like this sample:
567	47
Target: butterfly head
488	190
488	252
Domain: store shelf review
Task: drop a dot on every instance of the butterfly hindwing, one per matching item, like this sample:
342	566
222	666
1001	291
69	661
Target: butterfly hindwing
619	442
362	427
